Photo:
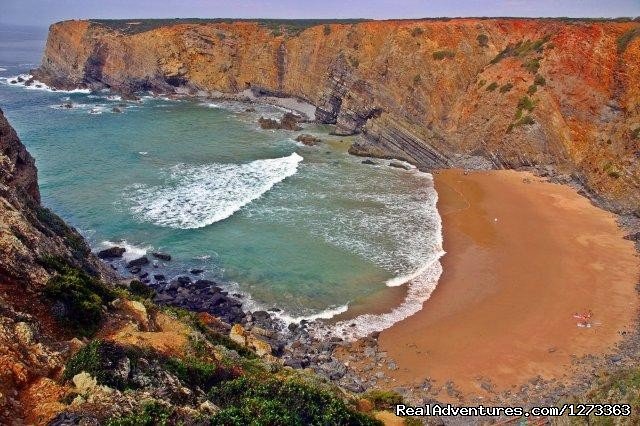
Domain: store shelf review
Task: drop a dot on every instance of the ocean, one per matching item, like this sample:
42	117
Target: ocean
306	231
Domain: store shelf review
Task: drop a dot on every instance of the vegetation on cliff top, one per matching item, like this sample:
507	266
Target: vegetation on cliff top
278	26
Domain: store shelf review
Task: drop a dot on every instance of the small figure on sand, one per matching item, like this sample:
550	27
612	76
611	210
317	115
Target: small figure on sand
584	319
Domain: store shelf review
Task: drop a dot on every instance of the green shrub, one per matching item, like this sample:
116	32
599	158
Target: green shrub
442	54
539	80
151	414
272	401
506	88
532	65
355	63
483	40
138	288
194	372
525	103
626	38
326	30
521	49
532	90
79	298
416	32
612	170
493	86
383	399
98	358
417	79
635	134
482	83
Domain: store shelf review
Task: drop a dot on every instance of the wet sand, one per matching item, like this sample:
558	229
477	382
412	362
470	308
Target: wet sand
521	259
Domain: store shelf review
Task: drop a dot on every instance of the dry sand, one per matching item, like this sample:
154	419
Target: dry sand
521	259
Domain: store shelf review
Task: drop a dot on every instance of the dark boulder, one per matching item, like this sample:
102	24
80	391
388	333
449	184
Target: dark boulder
161	256
308	140
111	252
369	161
197	271
184	280
141	261
159	277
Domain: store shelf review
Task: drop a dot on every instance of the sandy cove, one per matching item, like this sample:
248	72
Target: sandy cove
523	256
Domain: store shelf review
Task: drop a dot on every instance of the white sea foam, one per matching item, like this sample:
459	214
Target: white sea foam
132	251
2	69
197	196
419	290
36	85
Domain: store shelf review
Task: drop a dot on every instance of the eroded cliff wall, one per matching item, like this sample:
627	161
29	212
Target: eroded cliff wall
435	92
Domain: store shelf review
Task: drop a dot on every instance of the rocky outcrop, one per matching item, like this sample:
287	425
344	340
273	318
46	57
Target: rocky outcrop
515	92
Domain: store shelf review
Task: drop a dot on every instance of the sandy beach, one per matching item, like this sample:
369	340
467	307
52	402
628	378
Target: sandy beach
523	256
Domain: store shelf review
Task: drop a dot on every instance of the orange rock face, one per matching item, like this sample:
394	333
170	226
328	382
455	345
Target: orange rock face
515	92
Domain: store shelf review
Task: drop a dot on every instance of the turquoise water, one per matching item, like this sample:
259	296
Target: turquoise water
304	229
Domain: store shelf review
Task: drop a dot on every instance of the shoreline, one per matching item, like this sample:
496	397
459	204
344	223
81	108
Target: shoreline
523	256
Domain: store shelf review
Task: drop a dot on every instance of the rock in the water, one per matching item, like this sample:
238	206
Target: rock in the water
197	271
141	261
369	161
111	252
309	140
159	277
116	109
161	256
184	280
399	165
288	121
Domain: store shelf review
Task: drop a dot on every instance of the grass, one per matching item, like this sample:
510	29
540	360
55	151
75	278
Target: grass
79	297
539	80
443	54
532	90
285	402
626	38
493	86
481	83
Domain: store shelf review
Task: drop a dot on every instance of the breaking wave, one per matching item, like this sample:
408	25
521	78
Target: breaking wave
35	85
198	196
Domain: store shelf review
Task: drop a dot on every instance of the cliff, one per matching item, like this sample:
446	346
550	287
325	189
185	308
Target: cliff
559	95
